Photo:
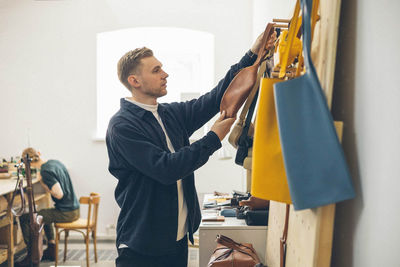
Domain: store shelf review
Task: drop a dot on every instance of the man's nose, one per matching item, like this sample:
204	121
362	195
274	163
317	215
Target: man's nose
165	75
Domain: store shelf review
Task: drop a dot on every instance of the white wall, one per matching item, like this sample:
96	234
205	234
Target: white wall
366	98
48	74
264	11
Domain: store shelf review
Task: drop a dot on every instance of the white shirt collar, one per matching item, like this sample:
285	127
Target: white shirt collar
151	108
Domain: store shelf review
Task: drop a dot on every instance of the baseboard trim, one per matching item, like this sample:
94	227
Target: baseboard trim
78	237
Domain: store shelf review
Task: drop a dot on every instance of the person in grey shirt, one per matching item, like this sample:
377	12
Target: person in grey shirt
55	178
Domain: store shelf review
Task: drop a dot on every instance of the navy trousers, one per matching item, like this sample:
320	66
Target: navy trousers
129	258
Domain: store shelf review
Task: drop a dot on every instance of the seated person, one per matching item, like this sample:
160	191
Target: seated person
55	179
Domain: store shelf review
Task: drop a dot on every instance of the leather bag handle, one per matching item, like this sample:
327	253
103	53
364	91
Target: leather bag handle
18	186
242	84
232	245
228	251
226	241
269	30
229	247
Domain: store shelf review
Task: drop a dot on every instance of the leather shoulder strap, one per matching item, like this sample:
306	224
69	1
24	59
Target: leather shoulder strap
19	186
269	30
253	92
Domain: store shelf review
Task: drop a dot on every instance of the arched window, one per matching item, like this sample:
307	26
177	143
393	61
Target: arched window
187	56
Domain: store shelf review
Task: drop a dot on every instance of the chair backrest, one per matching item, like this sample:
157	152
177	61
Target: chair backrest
96	201
93	207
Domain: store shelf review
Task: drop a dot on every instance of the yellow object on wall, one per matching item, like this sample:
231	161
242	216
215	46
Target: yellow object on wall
293	52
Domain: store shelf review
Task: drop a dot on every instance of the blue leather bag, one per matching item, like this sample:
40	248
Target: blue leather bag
315	165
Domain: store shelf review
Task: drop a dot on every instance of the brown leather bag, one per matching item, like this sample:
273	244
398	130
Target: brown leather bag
240	86
240	124
35	220
230	253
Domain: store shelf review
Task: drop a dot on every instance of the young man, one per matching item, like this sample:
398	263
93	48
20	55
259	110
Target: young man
55	179
150	155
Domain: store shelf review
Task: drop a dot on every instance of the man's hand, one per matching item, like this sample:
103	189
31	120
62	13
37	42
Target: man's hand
268	46
222	126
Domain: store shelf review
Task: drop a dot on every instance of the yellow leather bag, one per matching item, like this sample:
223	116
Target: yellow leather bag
268	170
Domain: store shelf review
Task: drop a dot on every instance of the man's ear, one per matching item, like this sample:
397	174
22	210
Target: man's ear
133	81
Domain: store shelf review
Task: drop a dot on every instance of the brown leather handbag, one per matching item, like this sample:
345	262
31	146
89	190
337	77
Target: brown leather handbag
240	124
35	220
240	86
230	253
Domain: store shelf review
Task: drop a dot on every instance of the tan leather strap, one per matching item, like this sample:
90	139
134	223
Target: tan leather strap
284	237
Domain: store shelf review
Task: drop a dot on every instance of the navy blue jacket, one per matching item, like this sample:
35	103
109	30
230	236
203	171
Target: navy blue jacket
147	171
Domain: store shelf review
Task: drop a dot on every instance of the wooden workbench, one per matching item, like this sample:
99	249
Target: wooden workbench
42	200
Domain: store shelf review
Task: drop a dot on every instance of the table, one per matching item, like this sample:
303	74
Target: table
232	228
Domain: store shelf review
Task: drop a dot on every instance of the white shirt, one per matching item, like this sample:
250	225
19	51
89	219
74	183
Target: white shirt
182	208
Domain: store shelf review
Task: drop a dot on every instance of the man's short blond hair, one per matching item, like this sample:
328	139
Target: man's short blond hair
130	63
32	153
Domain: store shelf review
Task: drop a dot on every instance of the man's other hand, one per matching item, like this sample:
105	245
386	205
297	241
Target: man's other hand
222	125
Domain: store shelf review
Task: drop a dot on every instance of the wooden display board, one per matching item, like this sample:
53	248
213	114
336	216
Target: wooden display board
324	45
310	233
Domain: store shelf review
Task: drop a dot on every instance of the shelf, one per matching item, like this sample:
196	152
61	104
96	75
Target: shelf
40	196
4	221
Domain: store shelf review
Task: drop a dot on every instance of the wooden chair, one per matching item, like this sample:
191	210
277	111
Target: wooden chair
81	225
